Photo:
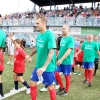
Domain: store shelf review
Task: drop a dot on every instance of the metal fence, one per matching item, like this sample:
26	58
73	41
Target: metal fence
58	21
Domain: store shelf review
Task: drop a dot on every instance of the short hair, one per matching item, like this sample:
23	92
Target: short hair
12	33
95	35
81	41
42	17
90	34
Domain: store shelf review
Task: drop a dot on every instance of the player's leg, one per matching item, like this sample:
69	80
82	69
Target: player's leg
1	85
49	80
59	80
66	71
20	79
90	69
80	68
86	74
76	68
96	66
15	89
33	82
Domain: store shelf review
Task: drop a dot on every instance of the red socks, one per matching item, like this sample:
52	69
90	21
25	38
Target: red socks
52	94
33	93
86	74
59	80
90	75
67	77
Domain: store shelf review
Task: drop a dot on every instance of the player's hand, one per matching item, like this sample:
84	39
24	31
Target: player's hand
29	59
59	62
40	71
77	58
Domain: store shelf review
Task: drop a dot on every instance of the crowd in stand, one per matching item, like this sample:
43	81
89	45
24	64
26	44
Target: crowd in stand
74	13
66	12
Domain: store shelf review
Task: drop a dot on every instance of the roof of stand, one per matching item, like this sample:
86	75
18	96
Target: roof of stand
60	2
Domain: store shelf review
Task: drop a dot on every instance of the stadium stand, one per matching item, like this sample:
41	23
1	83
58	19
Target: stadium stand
73	16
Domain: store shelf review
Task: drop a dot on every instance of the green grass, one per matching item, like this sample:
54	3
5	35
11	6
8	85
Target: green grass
77	91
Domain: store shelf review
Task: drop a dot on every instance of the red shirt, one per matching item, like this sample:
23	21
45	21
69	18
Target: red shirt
80	55
19	61
1	61
74	60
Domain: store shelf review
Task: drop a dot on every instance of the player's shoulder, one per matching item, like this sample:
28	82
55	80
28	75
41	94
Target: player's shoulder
71	38
50	32
20	50
94	42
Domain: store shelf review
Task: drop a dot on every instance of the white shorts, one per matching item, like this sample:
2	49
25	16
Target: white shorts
10	51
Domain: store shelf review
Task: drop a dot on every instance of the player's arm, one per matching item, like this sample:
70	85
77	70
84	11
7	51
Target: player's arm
49	58
33	52
98	52
66	54
97	49
78	52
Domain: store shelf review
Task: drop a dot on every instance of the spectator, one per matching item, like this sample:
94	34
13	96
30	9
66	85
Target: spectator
23	42
0	20
58	41
77	42
10	48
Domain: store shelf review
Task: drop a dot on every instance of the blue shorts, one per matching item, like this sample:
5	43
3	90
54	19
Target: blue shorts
65	69
88	65
48	77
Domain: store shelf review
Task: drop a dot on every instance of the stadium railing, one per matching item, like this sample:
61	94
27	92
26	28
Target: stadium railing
83	21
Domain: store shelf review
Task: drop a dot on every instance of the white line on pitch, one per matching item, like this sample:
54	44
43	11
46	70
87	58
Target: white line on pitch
19	90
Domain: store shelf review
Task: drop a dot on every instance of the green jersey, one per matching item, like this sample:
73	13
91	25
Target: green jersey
2	39
45	42
89	49
96	54
65	44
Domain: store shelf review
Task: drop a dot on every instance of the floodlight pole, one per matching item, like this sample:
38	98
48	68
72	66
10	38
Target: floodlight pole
50	5
18	6
34	6
69	6
93	3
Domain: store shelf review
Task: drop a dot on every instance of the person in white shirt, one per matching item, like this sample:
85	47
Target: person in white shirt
33	43
10	48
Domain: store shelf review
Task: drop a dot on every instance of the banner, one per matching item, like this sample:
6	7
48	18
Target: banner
90	30
75	30
20	29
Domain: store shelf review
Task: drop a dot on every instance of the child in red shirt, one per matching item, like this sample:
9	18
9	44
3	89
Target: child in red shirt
19	66
79	60
1	71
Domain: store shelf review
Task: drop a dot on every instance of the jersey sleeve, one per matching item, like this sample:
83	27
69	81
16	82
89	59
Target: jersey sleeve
22	53
99	46
96	47
51	41
71	43
82	47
